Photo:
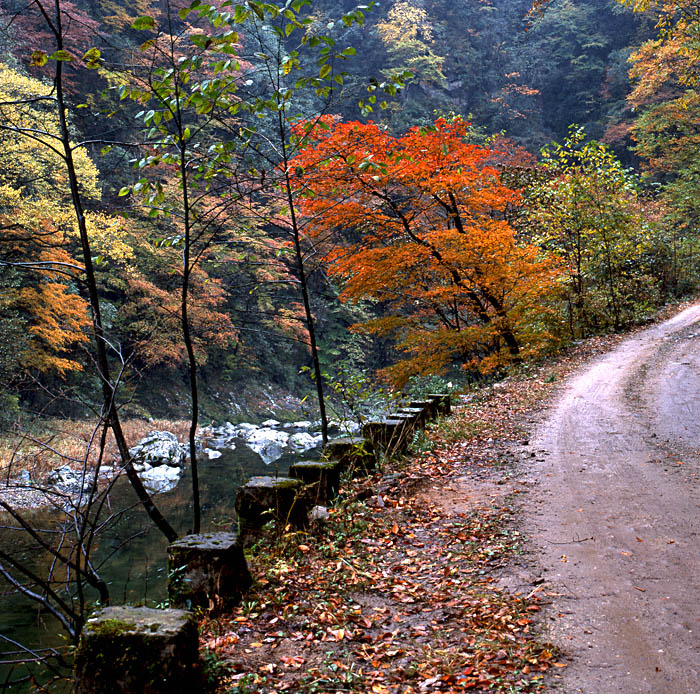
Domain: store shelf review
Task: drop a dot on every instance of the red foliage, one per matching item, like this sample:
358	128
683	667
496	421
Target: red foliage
417	223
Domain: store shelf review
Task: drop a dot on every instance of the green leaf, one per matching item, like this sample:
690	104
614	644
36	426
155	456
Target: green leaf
62	56
124	191
256	7
199	40
38	58
144	22
92	58
325	71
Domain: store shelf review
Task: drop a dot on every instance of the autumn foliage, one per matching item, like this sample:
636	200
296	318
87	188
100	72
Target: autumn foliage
416	224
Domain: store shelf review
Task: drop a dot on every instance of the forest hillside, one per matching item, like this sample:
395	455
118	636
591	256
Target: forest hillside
230	197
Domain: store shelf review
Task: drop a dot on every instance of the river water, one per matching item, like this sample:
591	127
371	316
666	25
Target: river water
131	554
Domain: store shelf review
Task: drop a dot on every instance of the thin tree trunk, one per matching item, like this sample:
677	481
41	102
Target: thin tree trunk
184	315
303	283
108	394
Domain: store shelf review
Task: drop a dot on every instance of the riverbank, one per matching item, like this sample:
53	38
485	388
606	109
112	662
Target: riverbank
39	444
44	474
47	444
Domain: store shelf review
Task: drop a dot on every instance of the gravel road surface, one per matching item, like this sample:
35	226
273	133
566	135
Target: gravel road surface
616	520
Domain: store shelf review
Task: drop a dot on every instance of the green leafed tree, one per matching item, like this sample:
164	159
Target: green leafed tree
585	206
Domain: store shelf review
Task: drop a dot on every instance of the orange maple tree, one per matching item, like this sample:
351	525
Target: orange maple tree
57	316
417	224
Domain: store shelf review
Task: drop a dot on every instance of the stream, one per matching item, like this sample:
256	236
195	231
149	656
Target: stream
132	554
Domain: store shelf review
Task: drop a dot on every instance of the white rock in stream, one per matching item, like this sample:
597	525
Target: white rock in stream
303	441
213	455
268	443
160	479
244	428
65	479
158	448
270	423
304	424
226	442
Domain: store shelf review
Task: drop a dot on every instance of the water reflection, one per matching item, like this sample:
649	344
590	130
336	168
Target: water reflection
131	552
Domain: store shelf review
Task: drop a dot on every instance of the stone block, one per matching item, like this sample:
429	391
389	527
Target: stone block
126	649
354	453
321	479
428	406
410	419
207	570
389	434
262	499
442	402
419	414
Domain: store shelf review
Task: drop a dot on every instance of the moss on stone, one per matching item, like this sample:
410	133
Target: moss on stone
124	649
111	627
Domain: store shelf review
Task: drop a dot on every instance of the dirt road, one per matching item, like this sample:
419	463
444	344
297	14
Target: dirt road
616	517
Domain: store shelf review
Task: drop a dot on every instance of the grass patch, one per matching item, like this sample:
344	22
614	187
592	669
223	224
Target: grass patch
46	444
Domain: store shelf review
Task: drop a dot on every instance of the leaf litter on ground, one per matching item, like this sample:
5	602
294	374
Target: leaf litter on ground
398	590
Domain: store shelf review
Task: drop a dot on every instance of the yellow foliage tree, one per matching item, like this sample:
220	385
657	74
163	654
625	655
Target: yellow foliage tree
407	35
38	229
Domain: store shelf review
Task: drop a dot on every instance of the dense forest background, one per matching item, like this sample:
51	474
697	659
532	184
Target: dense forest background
556	146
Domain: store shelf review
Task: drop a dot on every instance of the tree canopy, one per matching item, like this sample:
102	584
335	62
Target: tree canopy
416	223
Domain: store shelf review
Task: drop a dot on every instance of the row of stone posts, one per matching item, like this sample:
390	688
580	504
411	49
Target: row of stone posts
139	649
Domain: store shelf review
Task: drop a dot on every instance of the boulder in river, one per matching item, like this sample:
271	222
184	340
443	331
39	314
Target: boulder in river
158	448
268	443
303	424
66	479
302	441
160	479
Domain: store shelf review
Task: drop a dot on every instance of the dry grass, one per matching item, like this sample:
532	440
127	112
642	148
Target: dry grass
50	443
